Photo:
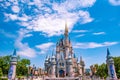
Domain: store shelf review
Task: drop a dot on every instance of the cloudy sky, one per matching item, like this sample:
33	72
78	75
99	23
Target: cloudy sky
34	26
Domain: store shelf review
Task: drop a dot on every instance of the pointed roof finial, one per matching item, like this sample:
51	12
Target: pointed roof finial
66	28
46	56
80	58
74	55
53	52
14	53
108	53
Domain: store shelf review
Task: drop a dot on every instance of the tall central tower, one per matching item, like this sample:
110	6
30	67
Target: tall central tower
66	41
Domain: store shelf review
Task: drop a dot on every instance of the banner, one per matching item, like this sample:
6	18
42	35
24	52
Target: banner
10	72
112	71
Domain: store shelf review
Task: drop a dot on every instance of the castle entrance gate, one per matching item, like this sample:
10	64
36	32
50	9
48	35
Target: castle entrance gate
61	73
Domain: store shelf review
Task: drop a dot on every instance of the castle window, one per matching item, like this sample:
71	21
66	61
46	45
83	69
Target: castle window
62	64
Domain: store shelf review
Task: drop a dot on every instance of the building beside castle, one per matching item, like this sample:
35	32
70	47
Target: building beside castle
64	63
33	71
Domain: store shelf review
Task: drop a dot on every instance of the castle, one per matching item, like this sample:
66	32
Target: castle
64	63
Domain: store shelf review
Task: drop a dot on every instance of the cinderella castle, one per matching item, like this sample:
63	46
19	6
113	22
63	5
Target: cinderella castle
64	63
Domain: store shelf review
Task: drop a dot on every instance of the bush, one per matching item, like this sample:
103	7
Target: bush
3	78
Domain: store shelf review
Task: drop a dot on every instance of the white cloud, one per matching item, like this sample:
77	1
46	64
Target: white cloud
71	4
115	2
14	17
28	52
80	31
81	35
93	45
15	9
10	16
54	24
7	34
23	48
44	47
51	25
50	20
99	33
28	35
84	17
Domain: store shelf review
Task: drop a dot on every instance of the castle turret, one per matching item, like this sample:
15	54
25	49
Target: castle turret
66	30
79	68
70	66
82	65
58	51
53	65
66	40
70	47
46	64
111	67
12	69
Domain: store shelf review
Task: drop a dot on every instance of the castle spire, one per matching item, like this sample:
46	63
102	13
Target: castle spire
80	58
14	53
66	29
74	55
108	53
53	52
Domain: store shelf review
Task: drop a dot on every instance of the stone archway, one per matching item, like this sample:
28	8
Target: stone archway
61	73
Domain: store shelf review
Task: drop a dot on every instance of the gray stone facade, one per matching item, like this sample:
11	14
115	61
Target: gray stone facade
64	63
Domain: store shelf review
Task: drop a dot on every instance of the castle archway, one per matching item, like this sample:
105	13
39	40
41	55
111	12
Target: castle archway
61	73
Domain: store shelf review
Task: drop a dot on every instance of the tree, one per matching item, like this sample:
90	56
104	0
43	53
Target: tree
1	73
117	65
5	64
96	66
22	67
102	70
118	74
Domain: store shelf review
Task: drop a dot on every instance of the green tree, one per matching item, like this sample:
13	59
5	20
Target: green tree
118	74
1	73
117	65
5	64
102	70
96	66
22	67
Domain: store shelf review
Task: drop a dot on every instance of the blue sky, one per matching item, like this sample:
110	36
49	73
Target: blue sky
34	26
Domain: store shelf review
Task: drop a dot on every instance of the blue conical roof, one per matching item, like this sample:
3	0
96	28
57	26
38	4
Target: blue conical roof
108	53
53	56
14	53
74	55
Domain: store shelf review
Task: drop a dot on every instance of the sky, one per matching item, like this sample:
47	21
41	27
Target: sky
34	26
